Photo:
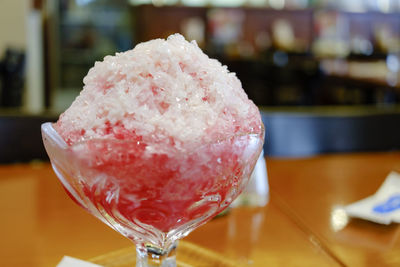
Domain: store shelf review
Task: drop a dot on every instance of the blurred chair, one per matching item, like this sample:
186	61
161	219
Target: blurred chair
12	70
291	134
20	138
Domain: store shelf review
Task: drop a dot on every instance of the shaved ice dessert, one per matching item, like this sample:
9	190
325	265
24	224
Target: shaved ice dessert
163	91
160	140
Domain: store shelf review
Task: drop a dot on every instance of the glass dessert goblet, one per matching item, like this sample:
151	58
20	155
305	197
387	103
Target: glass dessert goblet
153	194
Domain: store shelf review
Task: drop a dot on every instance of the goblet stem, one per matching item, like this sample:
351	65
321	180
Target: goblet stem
152	256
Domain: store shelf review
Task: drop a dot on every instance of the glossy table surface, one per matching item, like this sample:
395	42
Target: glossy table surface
40	224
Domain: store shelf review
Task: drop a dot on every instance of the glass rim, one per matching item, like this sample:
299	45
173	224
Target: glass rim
49	131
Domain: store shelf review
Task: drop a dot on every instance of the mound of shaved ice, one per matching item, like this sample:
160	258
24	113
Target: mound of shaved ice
164	92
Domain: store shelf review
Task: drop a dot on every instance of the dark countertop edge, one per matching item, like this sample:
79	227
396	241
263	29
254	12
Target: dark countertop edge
17	113
278	110
366	110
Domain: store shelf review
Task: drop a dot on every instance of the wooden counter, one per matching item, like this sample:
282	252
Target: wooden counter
40	223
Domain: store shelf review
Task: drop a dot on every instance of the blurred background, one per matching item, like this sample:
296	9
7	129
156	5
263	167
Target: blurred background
285	52
289	54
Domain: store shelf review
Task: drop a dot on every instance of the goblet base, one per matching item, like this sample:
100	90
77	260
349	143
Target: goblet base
152	256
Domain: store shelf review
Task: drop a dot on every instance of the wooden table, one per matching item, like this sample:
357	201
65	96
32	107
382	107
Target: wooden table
40	224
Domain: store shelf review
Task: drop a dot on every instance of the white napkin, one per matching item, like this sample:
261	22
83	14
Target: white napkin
72	262
382	207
